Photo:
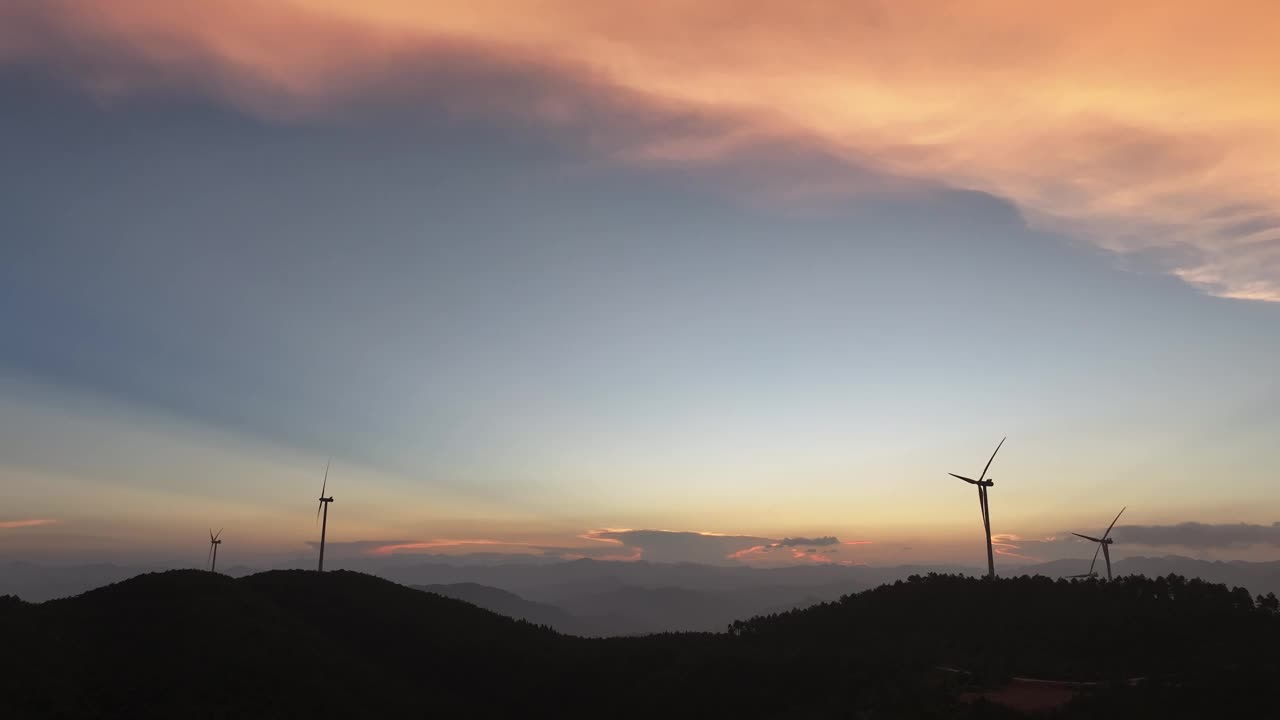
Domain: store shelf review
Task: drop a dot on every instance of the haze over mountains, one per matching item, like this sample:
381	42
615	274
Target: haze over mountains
604	598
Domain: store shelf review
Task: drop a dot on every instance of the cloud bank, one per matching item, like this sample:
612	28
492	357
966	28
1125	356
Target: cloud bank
1151	130
811	542
1194	537
1200	536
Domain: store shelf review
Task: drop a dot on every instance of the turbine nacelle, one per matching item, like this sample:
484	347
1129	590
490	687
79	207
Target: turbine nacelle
981	483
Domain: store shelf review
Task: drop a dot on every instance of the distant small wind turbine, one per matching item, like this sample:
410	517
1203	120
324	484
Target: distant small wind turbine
214	542
1090	574
983	483
1104	543
324	504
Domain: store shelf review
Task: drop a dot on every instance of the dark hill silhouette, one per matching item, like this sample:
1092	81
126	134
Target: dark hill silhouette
341	644
269	645
1037	626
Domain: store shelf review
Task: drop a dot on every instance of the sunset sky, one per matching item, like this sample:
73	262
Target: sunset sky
545	277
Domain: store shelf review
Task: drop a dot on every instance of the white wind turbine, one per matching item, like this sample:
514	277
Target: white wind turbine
214	542
324	504
983	483
1104	544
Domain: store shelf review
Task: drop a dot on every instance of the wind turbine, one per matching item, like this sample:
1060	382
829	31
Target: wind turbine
1090	574
1104	543
214	542
324	504
983	483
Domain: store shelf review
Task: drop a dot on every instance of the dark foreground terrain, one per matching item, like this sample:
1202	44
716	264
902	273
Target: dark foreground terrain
192	644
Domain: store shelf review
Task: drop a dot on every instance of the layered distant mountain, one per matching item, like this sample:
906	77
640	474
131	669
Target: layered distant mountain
599	598
629	610
514	606
35	582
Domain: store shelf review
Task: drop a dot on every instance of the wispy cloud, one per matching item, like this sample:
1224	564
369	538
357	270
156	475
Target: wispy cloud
1010	545
623	545
396	547
13	524
1151	134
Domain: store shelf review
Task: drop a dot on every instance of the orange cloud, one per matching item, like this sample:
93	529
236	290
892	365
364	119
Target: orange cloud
753	550
1007	545
818	557
800	548
604	535
11	524
635	553
1151	129
401	547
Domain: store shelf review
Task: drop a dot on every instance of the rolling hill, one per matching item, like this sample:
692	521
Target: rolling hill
341	644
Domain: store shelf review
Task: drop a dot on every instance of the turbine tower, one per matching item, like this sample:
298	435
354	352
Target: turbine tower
1104	543
324	504
214	542
983	483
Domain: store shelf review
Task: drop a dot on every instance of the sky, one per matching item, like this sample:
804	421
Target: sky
706	281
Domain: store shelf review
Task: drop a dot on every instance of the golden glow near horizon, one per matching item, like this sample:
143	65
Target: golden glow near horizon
95	500
1146	127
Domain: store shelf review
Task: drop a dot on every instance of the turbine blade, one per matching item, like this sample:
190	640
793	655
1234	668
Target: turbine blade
318	508
1095	558
211	538
983	476
1113	522
971	481
215	537
209	559
1086	537
326	476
